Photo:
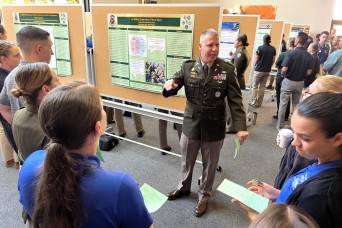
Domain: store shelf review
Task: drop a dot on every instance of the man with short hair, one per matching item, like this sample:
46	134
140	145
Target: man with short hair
35	46
265	57
296	65
323	51
208	80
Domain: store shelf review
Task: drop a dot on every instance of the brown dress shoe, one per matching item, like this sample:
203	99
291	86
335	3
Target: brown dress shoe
201	208
177	194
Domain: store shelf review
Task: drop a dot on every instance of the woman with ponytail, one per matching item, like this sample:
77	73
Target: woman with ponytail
65	185
34	81
241	58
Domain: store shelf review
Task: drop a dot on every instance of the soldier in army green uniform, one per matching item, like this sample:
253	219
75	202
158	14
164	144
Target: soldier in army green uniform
208	80
241	59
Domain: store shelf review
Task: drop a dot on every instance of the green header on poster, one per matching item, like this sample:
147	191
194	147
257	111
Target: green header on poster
39	18
149	21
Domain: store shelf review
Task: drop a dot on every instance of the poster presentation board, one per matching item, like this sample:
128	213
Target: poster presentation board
229	32
263	29
287	30
57	25
276	33
67	34
205	16
157	45
295	28
248	26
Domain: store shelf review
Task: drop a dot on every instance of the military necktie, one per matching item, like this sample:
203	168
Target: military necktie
205	69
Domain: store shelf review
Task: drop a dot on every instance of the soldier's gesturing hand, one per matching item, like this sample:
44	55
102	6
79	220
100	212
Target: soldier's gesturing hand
170	84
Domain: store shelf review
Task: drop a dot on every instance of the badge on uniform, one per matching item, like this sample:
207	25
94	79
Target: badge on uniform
238	55
218	94
193	73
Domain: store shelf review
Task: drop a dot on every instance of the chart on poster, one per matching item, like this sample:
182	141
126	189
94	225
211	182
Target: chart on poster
146	50
57	25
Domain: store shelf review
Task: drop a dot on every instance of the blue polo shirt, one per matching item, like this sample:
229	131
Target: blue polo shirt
266	52
323	53
298	61
109	198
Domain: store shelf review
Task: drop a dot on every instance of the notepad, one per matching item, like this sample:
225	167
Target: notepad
152	198
245	196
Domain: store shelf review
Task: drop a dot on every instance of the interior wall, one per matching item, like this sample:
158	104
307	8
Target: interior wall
317	13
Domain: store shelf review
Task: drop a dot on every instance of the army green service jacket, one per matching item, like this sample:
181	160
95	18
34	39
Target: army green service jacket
205	114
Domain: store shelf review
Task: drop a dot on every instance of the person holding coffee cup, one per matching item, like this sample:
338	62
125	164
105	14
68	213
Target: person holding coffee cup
316	189
292	162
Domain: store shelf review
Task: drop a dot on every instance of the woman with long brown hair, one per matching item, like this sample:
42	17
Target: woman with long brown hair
65	185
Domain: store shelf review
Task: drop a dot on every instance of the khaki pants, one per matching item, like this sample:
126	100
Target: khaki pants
258	87
210	156
120	123
163	127
6	149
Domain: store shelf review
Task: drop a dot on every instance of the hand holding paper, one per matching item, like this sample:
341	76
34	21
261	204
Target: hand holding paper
245	196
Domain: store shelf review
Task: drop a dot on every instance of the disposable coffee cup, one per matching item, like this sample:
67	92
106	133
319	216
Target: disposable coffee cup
285	136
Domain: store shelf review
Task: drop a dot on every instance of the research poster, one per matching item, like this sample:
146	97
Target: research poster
146	50
261	31
229	32
296	29
57	25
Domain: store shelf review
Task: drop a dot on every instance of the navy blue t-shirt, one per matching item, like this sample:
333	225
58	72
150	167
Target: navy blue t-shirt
298	61
266	52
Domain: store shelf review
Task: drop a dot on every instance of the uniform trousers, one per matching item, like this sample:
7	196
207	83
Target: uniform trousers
120	123
241	80
6	149
258	87
163	127
210	156
288	89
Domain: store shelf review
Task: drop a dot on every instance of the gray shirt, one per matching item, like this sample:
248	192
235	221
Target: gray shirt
334	64
6	98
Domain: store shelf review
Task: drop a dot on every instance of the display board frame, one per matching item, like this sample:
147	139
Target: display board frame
206	16
248	26
76	33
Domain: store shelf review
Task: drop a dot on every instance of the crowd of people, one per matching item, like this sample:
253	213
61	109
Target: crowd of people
53	130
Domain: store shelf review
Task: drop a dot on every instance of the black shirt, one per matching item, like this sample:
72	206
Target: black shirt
315	70
266	52
298	62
